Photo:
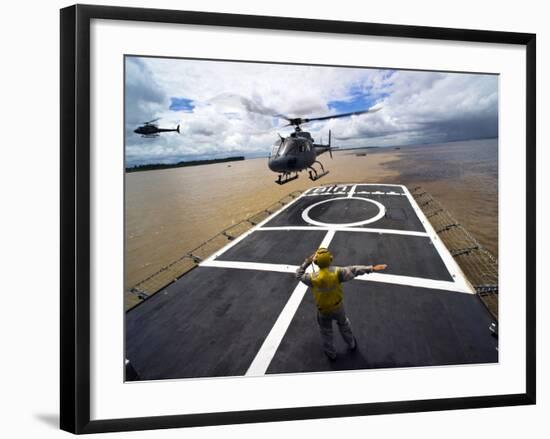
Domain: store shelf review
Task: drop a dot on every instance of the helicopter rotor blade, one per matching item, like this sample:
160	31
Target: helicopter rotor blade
296	121
337	116
282	116
151	121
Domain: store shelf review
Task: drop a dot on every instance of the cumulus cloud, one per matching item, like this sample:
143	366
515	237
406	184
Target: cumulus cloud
228	108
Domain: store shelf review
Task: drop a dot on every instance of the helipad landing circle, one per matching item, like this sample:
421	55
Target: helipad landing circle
381	212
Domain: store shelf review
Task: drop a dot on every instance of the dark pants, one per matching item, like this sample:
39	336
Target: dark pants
325	325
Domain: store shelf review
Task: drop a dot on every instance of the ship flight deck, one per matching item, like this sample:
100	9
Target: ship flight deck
243	312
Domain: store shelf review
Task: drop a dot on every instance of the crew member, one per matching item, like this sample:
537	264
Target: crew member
327	291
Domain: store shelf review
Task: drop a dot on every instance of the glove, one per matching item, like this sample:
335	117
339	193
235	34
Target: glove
307	261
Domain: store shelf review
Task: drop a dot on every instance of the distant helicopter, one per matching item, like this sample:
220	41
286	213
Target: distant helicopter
299	151
151	129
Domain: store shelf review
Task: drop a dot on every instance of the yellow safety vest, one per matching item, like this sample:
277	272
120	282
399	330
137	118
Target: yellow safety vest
327	290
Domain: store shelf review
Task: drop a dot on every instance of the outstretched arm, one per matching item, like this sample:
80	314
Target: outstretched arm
349	273
301	274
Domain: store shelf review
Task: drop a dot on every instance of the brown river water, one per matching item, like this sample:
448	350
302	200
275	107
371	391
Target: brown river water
170	212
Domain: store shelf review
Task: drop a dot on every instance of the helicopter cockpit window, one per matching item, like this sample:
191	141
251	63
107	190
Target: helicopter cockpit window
275	149
289	147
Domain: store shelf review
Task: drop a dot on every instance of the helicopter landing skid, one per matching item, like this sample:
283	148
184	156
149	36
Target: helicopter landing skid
286	177
314	175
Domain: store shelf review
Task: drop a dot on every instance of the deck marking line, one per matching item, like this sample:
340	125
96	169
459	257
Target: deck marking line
251	230
380	214
411	281
322	194
269	347
345	229
381	184
451	265
447	258
356	193
258	266
327	239
263	358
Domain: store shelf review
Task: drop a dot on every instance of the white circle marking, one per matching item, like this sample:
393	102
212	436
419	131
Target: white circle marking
380	214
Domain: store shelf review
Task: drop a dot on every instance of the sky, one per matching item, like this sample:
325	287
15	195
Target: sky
230	108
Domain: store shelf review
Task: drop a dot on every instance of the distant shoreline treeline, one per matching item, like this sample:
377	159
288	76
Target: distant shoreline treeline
155	166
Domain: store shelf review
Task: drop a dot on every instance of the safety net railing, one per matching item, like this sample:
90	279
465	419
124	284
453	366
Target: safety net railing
172	271
477	263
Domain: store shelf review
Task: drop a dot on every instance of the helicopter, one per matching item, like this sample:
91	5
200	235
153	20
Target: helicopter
297	152
151	129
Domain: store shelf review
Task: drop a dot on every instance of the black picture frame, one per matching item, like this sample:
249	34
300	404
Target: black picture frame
75	216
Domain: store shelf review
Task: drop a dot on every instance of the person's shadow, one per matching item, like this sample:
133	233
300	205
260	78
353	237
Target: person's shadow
49	419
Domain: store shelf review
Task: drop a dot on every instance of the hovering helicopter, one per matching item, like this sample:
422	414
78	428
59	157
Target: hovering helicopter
151	129
299	151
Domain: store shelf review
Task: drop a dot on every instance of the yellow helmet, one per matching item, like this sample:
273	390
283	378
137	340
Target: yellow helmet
322	258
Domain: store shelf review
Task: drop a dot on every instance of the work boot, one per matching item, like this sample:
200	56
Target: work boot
353	344
330	355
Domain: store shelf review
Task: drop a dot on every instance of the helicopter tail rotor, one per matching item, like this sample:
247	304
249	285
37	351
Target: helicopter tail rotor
178	129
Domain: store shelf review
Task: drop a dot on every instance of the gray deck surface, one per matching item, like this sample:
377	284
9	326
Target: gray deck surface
395	326
214	320
205	324
417	256
276	247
